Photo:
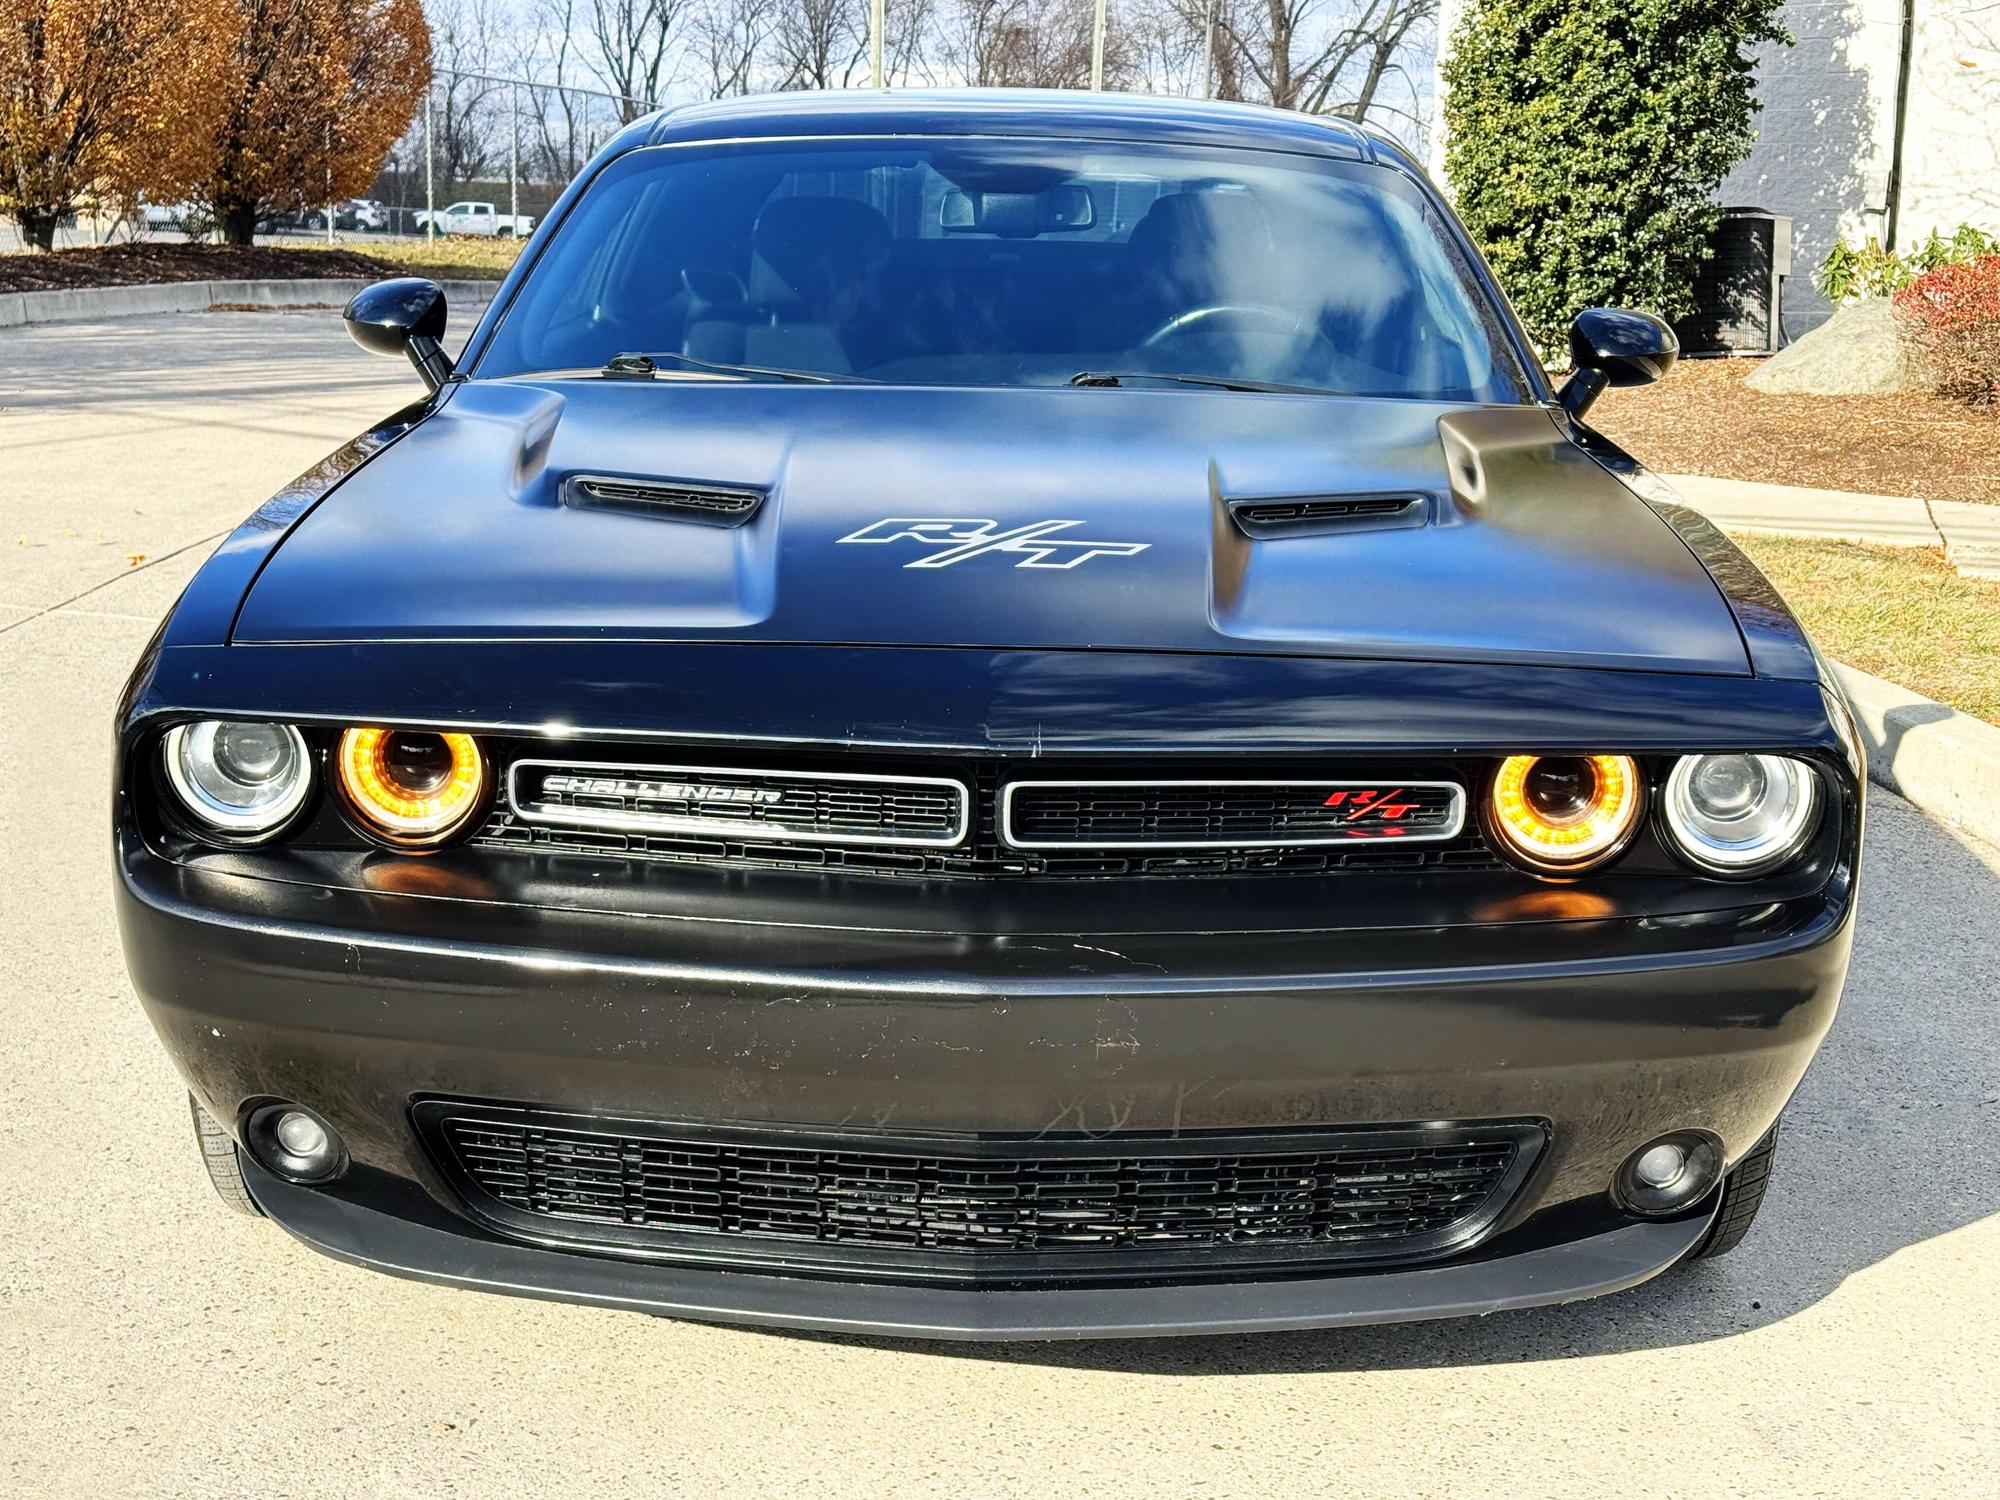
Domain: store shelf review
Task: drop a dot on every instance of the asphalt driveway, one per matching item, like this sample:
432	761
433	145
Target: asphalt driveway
151	1345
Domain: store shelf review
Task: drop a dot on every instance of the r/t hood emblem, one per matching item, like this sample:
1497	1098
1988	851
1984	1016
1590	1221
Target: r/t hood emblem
953	541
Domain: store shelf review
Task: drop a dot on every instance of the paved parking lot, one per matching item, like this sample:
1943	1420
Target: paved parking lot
151	1345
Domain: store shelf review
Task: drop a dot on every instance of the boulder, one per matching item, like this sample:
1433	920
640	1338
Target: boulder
1856	352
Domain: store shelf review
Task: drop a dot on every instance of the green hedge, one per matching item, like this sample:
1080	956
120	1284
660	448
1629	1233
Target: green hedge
1586	139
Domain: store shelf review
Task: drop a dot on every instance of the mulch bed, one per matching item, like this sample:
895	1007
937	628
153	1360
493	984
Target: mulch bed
137	264
1702	419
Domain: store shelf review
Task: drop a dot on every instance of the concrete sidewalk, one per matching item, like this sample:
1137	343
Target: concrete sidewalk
1968	533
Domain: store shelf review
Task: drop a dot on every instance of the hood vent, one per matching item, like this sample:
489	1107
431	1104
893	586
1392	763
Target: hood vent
1320	515
710	504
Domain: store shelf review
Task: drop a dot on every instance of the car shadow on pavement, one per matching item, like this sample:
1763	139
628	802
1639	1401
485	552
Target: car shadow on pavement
1892	1140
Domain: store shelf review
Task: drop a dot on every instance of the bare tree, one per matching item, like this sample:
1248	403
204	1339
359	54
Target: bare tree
1031	44
819	44
558	143
636	41
1320	56
729	38
467	96
1167	36
907	28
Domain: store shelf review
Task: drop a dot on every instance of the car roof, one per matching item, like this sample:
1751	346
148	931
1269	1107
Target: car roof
1026	112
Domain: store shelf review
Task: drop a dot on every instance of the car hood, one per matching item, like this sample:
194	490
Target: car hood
1044	518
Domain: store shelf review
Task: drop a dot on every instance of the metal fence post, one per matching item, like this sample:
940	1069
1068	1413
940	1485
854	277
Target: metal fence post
430	172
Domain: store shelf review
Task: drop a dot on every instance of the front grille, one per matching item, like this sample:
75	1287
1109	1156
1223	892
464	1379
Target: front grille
811	807
1227	814
1037	1205
982	854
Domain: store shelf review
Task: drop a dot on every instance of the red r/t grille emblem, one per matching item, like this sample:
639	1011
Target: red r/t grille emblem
1356	803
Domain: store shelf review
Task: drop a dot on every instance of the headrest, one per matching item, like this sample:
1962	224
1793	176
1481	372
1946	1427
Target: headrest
803	248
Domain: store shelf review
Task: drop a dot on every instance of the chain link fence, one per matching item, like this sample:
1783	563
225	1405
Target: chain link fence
486	155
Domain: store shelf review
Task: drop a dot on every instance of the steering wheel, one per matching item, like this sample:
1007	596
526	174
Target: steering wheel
1197	319
712	284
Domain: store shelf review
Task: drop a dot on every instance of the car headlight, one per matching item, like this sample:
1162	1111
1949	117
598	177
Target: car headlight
411	786
1741	814
1559	814
238	776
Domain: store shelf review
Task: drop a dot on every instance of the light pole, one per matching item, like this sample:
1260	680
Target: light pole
875	23
1208	54
1097	49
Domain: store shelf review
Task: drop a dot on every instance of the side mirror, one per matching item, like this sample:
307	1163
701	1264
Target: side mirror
404	316
1609	346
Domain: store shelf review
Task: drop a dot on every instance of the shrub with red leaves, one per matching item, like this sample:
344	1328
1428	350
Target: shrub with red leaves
1951	320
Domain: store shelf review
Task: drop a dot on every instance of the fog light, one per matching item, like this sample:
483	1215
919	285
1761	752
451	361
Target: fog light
302	1135
1669	1175
295	1143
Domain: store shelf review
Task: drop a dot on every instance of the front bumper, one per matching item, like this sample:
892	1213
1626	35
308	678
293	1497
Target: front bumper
427	1244
356	1004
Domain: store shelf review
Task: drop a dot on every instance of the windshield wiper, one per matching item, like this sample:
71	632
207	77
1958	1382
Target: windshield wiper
642	366
1118	377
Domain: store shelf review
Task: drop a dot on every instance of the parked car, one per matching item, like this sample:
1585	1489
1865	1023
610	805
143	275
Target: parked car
169	216
354	215
895	748
476	218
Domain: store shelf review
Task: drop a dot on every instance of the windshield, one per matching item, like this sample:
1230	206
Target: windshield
1010	263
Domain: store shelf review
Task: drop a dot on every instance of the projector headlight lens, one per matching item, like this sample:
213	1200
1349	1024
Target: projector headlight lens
411	786
1564	813
238	776
1741	814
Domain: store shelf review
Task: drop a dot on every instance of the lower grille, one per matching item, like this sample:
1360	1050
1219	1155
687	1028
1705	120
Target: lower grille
1021	1207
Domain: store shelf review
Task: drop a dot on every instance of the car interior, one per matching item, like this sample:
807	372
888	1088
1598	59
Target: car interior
957	266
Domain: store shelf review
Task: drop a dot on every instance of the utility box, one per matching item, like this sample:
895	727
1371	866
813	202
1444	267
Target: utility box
1739	295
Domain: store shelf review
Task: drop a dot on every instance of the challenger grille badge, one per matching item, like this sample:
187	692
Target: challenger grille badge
648	790
1035	545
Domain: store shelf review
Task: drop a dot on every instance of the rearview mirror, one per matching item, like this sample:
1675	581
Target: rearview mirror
1063	209
1613	346
405	316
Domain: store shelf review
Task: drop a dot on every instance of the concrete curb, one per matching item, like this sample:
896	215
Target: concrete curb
1945	762
88	304
1969	533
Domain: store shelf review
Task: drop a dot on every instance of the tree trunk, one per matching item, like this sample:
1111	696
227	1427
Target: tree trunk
38	226
238	223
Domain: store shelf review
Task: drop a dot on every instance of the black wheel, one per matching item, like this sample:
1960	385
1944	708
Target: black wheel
1742	1196
218	1155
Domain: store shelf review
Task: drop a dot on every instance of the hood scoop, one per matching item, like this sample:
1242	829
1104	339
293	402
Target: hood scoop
709	504
1270	516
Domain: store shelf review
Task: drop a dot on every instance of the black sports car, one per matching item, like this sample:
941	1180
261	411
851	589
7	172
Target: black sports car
991	715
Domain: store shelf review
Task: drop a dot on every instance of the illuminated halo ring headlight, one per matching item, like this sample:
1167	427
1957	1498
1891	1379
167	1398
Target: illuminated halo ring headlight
238	777
1559	814
1740	814
411	786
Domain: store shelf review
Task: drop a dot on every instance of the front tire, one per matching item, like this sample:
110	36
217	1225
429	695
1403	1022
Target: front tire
225	1170
1742	1195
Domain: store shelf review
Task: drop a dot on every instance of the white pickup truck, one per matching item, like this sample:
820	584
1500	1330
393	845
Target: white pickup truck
477	218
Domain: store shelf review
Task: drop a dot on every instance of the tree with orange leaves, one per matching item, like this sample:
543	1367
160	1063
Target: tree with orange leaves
110	98
316	94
